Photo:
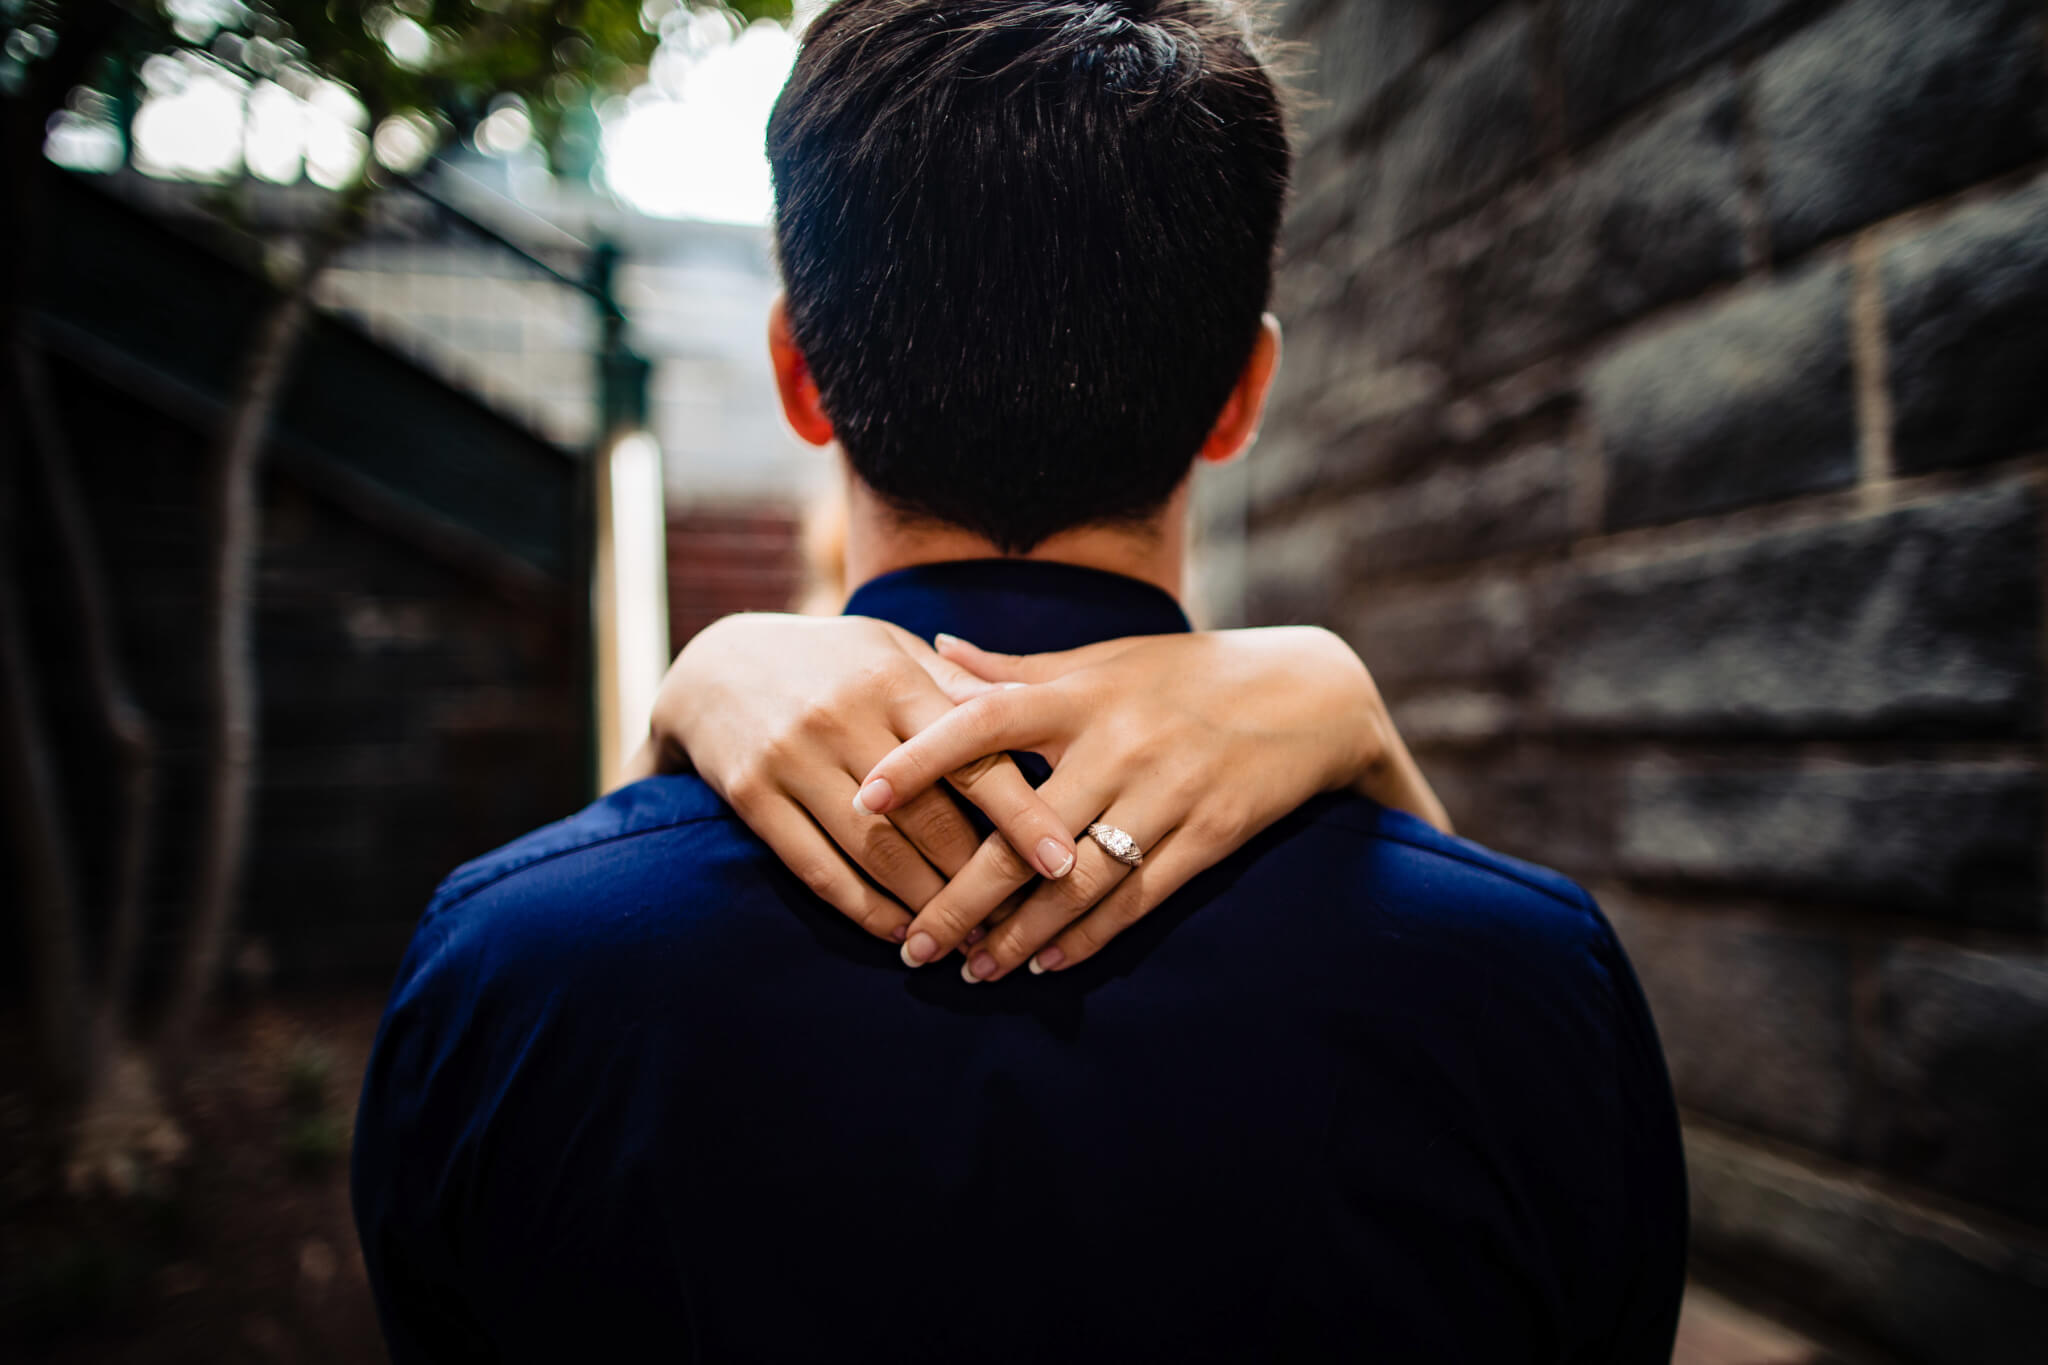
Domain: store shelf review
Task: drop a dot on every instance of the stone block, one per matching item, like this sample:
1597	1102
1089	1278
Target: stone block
1614	52
1355	51
1290	574
1957	841
1449	719
1473	636
1320	202
1471	124
1922	620
1963	1073
1552	808
1353	54
1882	104
1460	511
1360	430
1395	307
1652	218
1359	397
1921	1284
1755	1020
1966	314
1456	511
1749	401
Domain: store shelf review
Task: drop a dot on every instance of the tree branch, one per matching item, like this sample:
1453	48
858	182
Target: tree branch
232	496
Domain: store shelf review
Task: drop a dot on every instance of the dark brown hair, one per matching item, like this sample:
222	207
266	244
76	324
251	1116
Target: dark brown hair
1026	245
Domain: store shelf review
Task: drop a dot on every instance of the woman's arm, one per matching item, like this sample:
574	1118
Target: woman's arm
1192	743
780	714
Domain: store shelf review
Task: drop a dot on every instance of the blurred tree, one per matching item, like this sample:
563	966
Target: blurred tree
425	73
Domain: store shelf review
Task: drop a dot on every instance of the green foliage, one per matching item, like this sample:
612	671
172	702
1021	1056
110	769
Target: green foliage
453	59
314	1136
308	1072
313	1143
444	64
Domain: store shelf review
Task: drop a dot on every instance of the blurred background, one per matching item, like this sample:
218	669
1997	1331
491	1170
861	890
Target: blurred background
1664	419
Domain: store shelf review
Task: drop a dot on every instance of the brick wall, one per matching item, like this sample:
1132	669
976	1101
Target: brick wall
1665	419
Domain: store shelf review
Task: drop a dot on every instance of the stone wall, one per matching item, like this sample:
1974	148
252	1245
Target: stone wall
1664	417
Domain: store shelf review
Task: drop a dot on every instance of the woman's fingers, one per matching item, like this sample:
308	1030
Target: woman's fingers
941	833
1021	816
994	872
990	780
1024	668
794	838
944	922
1168	867
957	682
1031	718
1053	907
872	842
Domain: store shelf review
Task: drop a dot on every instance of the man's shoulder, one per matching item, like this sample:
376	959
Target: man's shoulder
655	867
1394	878
1402	839
667	860
639	811
1389	856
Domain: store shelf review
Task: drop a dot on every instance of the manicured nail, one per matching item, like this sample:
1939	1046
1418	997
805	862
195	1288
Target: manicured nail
967	972
898	932
1047	960
874	798
1012	686
941	640
980	967
976	934
1054	858
918	950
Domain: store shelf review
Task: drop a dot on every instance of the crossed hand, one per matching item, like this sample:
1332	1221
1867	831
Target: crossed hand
835	740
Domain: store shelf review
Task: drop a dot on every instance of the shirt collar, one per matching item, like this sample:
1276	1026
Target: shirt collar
1018	606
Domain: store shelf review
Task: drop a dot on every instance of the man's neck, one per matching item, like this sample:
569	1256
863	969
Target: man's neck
880	540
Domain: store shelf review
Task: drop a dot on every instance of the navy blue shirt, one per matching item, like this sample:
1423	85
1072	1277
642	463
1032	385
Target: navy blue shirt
1361	1091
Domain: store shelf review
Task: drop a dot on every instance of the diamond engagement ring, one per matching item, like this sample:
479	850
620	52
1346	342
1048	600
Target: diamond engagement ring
1116	844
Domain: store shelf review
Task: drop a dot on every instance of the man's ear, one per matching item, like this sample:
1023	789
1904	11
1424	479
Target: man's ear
800	403
1238	423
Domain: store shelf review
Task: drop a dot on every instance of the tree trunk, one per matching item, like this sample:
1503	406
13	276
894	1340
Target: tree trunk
231	495
130	737
49	905
28	773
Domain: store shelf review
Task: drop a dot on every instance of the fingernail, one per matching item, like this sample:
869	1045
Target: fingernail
941	640
1013	686
976	934
967	972
919	949
980	967
1054	858
1047	960
874	798
898	932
